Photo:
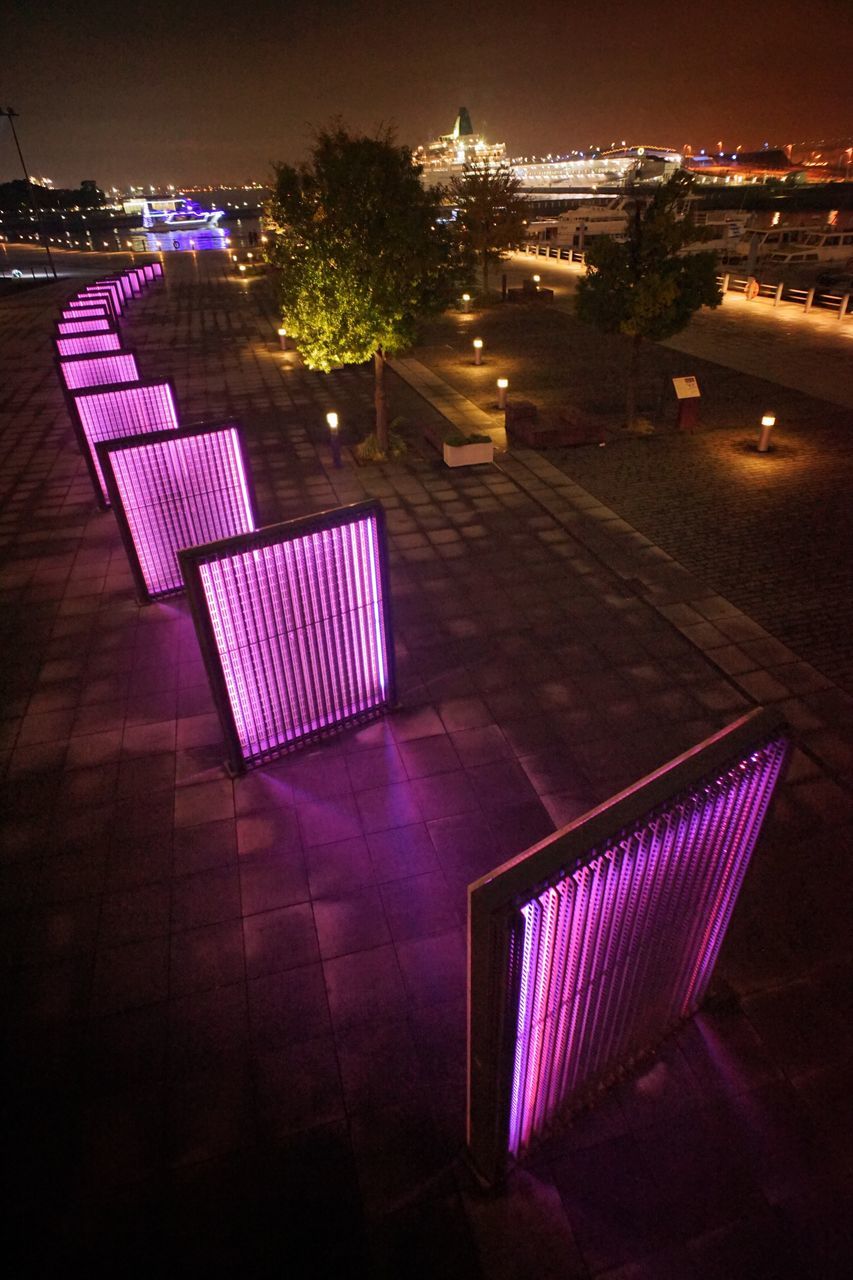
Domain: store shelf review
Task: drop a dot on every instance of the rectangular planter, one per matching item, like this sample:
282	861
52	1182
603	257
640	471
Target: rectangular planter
467	455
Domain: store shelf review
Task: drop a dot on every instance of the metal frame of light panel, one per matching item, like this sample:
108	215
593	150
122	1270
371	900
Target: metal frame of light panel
294	624
137	408
102	368
88	325
172	489
585	951
87	344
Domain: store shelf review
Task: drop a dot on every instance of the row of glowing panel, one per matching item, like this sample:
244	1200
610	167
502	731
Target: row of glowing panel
298	648
607	959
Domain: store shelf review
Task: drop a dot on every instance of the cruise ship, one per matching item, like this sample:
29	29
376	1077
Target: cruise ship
451	153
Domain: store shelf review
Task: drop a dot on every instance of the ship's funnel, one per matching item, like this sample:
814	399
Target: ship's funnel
463	126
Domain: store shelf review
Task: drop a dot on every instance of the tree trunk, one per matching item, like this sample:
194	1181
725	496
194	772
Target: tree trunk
380	400
485	275
631	389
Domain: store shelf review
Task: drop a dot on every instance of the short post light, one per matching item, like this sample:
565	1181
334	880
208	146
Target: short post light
282	338
503	383
466	302
233	257
334	438
478	350
537	280
768	422
242	269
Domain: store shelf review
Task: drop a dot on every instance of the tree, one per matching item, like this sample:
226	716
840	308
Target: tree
647	287
490	213
361	254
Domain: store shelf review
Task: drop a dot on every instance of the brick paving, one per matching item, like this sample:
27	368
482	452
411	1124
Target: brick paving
773	534
237	1006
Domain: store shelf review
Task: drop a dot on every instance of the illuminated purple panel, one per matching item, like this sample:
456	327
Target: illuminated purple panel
126	287
96	371
294	625
89	304
132	277
122	411
101	293
613	939
177	491
157	270
89	324
87	344
148	271
115	289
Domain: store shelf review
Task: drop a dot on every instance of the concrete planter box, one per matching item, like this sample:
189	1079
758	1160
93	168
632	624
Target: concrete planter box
467	455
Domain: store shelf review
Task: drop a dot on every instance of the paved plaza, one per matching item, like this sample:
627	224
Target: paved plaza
236	1007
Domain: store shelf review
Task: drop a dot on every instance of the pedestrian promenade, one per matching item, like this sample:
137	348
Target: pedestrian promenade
237	1006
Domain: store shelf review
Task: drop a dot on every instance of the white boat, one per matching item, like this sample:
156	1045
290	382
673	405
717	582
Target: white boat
186	216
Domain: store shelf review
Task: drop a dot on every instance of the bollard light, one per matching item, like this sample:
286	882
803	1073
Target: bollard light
334	438
242	268
768	422
282	337
537	280
503	383
478	350
233	257
466	302
250	256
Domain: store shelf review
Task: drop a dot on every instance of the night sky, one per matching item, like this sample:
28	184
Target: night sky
187	91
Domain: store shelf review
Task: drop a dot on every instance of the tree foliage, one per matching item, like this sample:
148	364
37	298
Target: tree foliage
490	212
361	253
648	287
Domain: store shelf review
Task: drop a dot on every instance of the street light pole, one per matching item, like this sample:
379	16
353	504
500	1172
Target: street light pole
10	115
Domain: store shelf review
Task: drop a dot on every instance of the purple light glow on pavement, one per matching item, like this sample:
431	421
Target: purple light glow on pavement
122	411
300	629
88	344
620	950
97	371
179	492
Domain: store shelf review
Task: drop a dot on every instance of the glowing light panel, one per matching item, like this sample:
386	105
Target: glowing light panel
96	371
605	955
121	411
294	623
176	491
99	293
89	324
89	304
156	270
115	288
87	344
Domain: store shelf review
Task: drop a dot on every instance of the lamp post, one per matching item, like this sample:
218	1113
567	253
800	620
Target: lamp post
282	337
478	350
10	115
466	302
503	383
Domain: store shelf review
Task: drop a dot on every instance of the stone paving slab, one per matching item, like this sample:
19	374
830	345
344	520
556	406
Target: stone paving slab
237	1013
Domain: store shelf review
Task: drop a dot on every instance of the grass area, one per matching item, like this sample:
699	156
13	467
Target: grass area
552	359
